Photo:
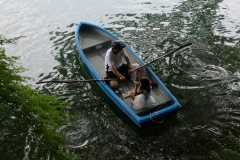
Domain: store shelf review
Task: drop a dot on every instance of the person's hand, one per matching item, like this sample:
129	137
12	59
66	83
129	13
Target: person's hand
122	78
136	83
130	70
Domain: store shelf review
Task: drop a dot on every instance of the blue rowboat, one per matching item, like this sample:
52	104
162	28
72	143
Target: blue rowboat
92	43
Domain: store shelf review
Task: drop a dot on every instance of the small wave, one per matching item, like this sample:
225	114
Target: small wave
237	74
209	73
187	87
77	147
235	86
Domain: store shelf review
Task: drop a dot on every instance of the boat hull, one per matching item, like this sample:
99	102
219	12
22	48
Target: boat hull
92	42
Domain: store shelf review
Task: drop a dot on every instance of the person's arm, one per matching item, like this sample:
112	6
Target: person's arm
119	75
136	91
111	66
130	67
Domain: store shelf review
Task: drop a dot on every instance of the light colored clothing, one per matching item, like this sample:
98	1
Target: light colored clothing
134	74
114	60
143	101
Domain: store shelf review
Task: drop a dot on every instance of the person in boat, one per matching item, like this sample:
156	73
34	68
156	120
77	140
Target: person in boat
115	68
141	98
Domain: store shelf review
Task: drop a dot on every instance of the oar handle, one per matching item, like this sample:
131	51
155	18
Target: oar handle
76	81
188	44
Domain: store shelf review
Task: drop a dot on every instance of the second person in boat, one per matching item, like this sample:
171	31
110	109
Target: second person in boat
141	97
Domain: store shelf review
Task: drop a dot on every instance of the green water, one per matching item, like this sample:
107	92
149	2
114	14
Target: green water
205	78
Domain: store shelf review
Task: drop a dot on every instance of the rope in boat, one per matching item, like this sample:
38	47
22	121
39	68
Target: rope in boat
154	120
155	111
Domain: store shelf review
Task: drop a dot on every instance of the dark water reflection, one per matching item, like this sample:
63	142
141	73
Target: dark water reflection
204	78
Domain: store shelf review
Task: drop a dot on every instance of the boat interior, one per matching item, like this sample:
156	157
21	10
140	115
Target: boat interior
94	44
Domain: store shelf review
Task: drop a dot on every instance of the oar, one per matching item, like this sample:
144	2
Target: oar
76	81
188	44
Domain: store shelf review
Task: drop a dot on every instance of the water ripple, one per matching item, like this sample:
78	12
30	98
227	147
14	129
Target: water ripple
211	73
204	78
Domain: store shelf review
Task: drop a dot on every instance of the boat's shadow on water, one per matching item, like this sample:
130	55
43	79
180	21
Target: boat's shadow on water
153	128
158	128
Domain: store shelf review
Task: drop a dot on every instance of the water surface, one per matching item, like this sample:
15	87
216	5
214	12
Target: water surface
204	78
